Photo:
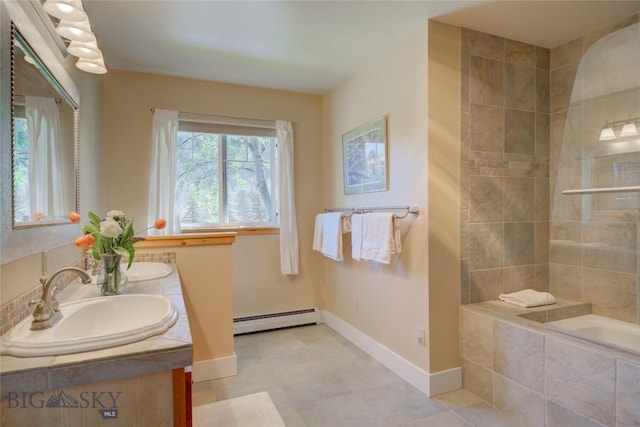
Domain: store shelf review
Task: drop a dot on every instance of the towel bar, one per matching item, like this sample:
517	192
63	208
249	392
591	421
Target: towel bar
409	210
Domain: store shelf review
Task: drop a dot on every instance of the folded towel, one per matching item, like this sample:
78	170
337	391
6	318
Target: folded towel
528	298
356	236
346	224
332	235
317	233
378	237
396	235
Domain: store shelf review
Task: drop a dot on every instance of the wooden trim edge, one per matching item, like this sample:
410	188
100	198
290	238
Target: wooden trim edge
181	398
187	240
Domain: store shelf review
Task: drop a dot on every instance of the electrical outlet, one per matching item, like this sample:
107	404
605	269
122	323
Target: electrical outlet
420	336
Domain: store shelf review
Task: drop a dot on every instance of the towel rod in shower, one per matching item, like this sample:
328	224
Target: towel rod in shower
409	209
631	189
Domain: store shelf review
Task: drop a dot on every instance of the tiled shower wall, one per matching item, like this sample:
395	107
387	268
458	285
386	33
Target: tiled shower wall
542	378
516	102
505	167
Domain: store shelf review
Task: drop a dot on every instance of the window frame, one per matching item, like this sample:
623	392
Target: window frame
263	227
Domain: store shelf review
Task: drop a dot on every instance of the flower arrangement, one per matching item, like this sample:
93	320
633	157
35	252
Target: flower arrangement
111	235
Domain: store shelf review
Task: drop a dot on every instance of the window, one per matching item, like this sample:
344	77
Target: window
20	163
226	175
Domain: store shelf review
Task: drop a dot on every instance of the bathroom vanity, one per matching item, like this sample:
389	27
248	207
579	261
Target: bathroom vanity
142	383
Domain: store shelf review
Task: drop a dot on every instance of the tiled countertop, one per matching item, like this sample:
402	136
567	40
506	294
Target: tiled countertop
170	350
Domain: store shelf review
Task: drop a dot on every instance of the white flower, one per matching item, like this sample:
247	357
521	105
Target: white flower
117	215
110	228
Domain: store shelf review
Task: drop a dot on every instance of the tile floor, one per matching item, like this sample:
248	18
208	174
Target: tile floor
315	377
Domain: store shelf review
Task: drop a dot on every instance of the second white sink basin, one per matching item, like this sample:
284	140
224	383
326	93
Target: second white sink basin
140	271
93	324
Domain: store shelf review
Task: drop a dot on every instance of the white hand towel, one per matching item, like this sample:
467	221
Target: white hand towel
332	235
317	233
377	237
528	298
356	236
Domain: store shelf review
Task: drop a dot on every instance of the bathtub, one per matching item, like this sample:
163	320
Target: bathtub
602	330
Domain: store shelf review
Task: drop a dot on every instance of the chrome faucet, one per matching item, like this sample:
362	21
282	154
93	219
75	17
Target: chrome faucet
47	312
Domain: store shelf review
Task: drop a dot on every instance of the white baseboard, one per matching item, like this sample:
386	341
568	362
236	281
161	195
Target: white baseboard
445	381
212	369
429	384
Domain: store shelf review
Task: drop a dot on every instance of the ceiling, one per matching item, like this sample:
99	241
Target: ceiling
311	46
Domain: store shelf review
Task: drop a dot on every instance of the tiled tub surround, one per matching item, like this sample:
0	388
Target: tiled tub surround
147	362
545	378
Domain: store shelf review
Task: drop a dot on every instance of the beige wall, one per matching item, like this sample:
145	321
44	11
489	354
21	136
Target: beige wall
444	195
207	289
386	302
258	285
128	98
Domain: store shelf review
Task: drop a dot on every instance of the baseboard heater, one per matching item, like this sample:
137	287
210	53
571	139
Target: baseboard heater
269	321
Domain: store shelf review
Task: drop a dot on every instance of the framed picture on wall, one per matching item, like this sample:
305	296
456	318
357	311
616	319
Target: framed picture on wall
365	157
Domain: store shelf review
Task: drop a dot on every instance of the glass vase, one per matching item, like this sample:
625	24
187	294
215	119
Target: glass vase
111	280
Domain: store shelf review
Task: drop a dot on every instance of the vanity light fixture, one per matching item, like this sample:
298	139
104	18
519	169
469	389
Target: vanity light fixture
94	66
75	31
68	10
84	50
628	127
30	60
607	133
76	28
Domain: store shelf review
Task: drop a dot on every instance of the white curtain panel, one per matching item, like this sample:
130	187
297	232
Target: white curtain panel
162	178
288	225
46	189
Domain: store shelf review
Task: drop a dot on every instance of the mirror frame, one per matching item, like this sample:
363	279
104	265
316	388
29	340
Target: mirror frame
17	37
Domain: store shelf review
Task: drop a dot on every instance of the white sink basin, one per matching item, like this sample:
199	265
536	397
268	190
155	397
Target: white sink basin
140	271
93	324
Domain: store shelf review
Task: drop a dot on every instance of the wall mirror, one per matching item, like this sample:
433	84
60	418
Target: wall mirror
44	119
611	166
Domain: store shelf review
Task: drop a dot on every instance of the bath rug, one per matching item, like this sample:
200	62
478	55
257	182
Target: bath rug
252	410
528	298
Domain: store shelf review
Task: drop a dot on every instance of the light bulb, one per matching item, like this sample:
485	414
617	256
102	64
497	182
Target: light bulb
629	129
94	66
68	10
607	134
84	50
76	31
